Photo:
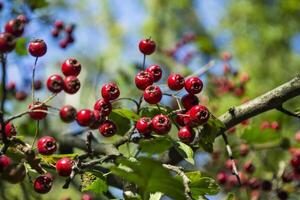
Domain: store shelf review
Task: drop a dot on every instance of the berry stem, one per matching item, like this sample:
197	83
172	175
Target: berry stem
33	76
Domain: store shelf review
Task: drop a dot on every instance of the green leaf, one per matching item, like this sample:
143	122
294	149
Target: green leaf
122	123
156	145
21	49
126	113
150	177
204	186
186	152
255	135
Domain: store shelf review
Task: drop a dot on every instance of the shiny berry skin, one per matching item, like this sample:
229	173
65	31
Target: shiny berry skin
161	124
15	27
42	184
5	161
144	125
152	94
222	178
37	115
249	167
110	91
175	82
108	128
179	117
103	106
189	100
85	117
156	72
71	84
147	46
37	48
7	42
55	83
199	115
59	24
71	67
64	167
193	85
186	134
46	145
67	113
10	130
143	79
95	124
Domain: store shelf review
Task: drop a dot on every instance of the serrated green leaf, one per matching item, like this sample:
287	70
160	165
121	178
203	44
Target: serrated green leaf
186	152
21	49
156	145
204	186
98	186
127	114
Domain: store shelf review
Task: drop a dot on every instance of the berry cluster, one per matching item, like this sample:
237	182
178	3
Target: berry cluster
67	31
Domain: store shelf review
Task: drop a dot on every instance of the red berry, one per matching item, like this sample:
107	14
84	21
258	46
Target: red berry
15	27
37	84
193	85
85	117
97	120
156	72
38	111
21	95
59	24
179	117
110	91
143	79
71	67
5	161
55	83
175	82
71	84
55	33
37	48
68	113
144	125
147	46
46	145
222	177
103	106
186	134
7	42
108	128
42	184
152	94
64	166
198	115
249	167
189	100
161	124
10	130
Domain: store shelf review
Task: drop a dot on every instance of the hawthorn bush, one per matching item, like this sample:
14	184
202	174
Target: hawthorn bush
157	133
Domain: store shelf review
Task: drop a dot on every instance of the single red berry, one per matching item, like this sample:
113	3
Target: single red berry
10	130
38	111
175	82
37	48
244	149
59	24
42	184
103	106
156	72
193	85
68	113
147	46
22	18
21	95
37	84
198	115
249	167
189	100
71	84
108	128
161	124
110	91
70	28
7	42
55	32
46	145
144	125
152	94
143	79
179	117
5	161
63	43
15	27
85	117
64	166
186	134
86	197
95	124
222	177
55	83
253	183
